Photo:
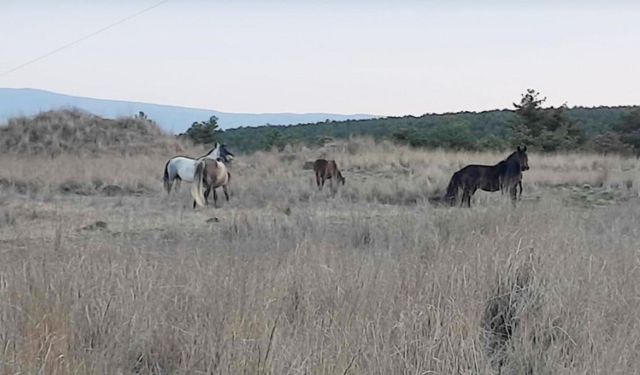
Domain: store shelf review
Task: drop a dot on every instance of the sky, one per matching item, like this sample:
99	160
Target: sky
373	57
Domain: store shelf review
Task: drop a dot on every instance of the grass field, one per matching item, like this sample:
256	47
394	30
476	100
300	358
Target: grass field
102	273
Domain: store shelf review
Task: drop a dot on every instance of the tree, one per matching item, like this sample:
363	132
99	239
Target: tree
609	142
455	135
629	130
544	129
204	132
275	139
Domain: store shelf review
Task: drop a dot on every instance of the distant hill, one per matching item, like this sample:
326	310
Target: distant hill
461	130
173	119
80	133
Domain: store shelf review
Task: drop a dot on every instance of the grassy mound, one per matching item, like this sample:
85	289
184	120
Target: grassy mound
76	132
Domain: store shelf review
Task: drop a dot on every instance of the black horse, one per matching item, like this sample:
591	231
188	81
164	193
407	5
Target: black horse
505	176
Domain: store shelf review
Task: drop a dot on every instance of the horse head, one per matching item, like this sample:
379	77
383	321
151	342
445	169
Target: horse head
523	159
225	155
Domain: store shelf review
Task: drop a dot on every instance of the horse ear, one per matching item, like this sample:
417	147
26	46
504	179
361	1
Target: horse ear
518	149
524	149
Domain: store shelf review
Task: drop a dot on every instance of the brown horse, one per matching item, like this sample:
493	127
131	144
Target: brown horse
327	169
505	176
209	175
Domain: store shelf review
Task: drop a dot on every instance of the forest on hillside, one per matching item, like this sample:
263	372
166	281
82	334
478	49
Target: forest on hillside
544	129
461	130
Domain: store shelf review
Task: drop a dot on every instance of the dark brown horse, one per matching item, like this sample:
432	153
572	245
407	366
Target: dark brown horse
326	169
209	175
505	176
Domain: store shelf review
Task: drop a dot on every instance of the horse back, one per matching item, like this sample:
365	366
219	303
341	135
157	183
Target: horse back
320	165
326	168
477	176
215	172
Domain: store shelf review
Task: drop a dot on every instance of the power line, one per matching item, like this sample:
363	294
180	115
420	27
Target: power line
65	46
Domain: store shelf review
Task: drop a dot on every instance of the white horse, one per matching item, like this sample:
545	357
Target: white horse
182	168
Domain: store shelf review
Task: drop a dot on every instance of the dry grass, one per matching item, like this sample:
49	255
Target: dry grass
72	131
289	280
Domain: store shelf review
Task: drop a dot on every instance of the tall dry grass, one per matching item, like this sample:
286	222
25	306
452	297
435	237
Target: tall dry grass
285	279
75	132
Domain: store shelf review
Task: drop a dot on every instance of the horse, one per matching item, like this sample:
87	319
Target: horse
209	175
505	176
182	168
327	169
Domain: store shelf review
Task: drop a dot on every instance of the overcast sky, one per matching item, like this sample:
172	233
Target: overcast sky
376	57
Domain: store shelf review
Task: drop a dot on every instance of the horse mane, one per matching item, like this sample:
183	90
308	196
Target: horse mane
511	159
217	147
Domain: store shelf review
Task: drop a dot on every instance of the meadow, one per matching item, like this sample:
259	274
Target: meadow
102	273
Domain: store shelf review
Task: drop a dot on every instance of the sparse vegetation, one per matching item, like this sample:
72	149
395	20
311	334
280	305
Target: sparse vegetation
75	132
286	279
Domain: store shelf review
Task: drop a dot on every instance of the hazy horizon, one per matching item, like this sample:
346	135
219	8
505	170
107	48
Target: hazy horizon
335	57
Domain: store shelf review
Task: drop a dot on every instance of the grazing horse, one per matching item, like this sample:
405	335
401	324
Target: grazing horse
209	175
326	169
505	176
182	168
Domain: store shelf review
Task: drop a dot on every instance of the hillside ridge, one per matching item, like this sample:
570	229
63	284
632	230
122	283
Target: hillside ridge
173	119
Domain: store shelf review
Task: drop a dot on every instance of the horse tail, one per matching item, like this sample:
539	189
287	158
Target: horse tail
197	190
167	182
452	188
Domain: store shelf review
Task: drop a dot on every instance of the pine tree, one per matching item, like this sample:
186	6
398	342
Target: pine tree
544	129
204	132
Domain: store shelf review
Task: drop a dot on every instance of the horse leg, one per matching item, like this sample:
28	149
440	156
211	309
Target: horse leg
334	185
318	181
206	195
473	191
226	192
514	194
465	193
520	185
177	181
215	199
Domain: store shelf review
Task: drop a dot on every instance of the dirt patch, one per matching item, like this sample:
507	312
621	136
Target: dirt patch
588	196
21	187
98	225
77	188
112	190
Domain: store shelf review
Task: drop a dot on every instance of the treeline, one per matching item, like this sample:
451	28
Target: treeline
600	129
